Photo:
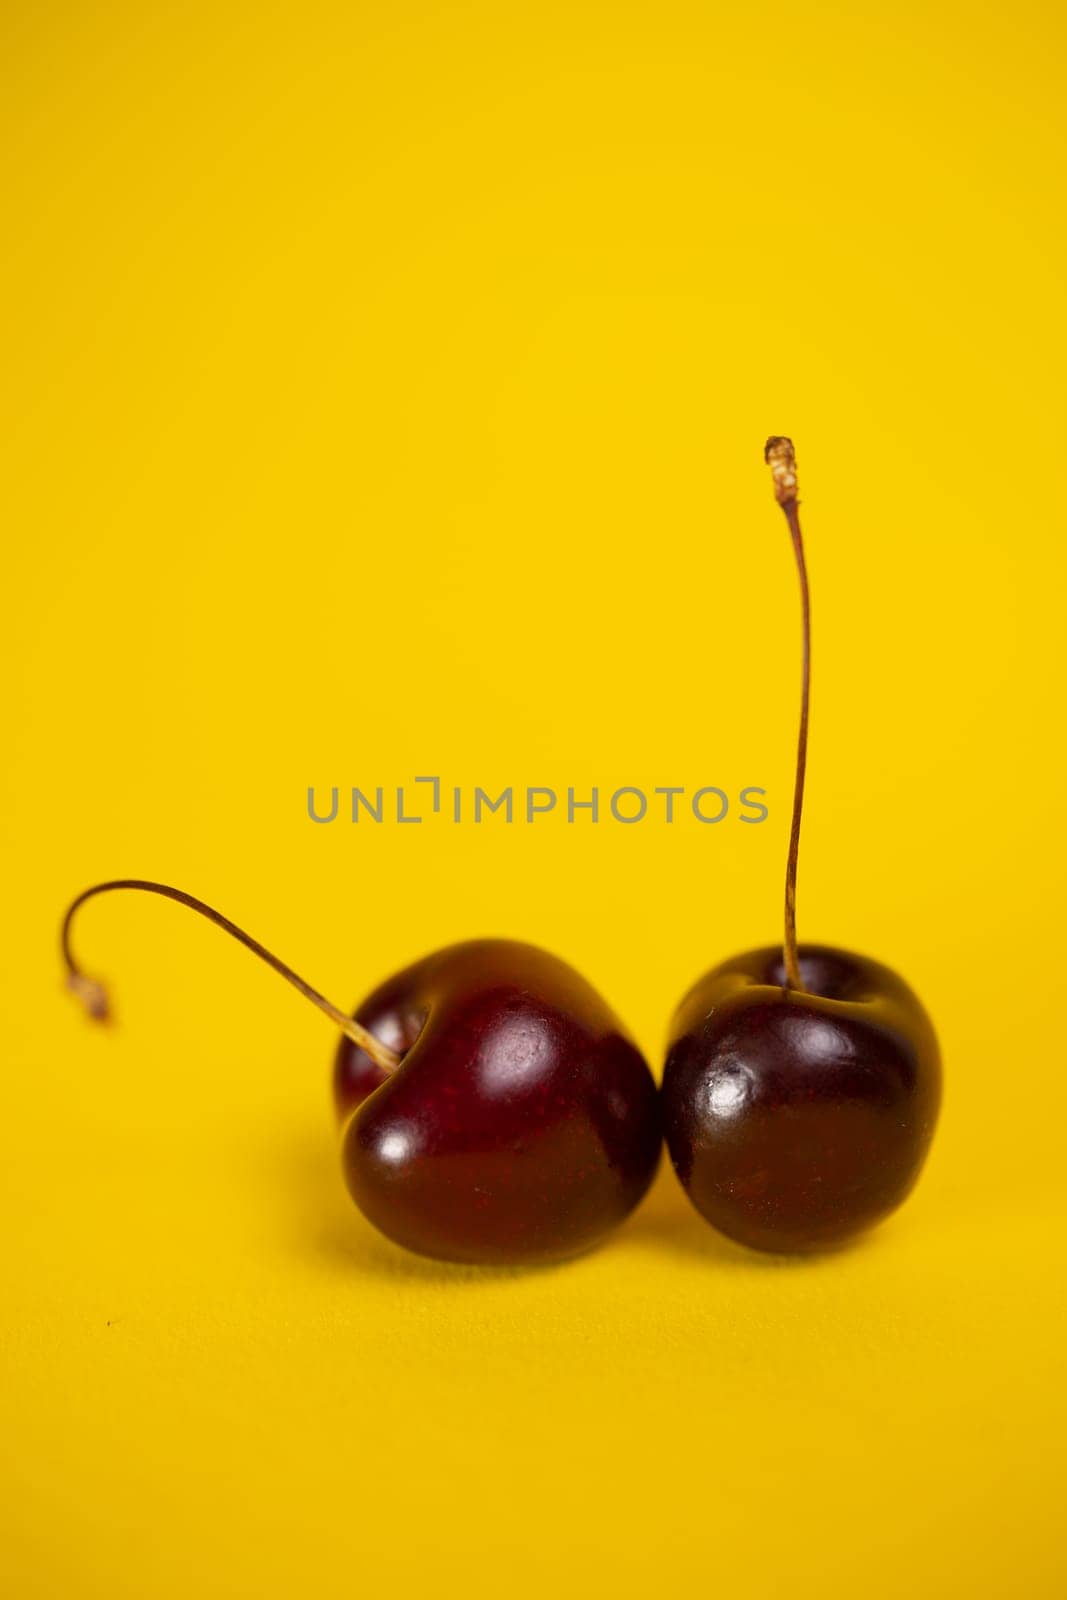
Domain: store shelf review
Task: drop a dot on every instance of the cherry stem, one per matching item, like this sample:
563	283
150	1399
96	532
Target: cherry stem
781	458
93	995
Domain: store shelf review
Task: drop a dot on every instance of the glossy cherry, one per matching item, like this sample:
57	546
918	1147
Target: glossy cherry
802	1083
493	1108
522	1123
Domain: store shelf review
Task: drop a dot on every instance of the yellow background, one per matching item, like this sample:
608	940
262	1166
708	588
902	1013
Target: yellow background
384	391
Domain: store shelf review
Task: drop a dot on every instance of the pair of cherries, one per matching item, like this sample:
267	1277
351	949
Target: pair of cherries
494	1109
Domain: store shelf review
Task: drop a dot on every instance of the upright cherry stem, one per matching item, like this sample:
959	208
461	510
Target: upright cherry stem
781	459
93	994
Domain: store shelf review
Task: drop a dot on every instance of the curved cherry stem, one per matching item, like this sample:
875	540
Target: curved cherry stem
93	995
781	459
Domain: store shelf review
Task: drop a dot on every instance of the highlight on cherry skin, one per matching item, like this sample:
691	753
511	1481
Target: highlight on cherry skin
493	1109
802	1082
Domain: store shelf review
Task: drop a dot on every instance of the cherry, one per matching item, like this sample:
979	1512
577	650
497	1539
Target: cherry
802	1084
522	1124
493	1109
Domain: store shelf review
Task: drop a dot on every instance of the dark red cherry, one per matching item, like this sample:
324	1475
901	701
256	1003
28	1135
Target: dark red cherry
522	1123
493	1107
795	1119
802	1083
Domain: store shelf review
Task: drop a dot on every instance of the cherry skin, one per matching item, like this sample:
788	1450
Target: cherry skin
795	1119
522	1123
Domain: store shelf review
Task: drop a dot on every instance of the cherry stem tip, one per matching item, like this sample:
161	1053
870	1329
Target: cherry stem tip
780	456
92	994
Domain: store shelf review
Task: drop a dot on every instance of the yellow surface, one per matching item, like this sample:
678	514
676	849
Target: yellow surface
384	388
